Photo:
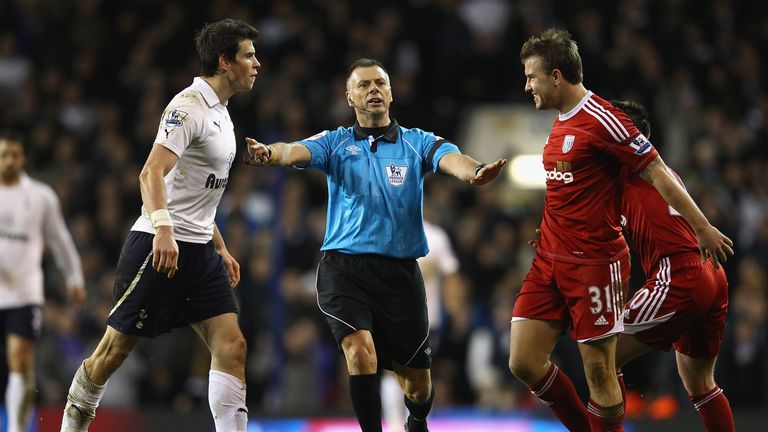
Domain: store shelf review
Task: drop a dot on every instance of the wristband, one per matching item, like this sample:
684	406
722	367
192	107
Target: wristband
160	217
273	156
479	167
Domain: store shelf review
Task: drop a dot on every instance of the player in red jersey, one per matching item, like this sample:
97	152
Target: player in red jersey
684	301
580	271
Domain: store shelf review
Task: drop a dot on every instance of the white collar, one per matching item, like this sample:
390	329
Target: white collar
575	109
206	90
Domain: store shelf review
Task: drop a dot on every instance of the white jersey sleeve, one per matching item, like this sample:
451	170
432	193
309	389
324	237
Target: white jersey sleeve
60	242
180	123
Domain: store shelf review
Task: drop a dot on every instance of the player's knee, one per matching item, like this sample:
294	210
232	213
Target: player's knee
233	351
599	373
697	384
522	367
418	393
361	358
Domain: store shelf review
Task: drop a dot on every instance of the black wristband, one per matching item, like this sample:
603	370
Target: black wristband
479	167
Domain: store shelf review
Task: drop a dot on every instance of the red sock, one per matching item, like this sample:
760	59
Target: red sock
605	419
557	392
714	410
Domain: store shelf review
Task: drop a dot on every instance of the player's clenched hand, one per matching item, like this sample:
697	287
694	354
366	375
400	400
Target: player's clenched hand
233	268
165	252
488	172
713	243
258	153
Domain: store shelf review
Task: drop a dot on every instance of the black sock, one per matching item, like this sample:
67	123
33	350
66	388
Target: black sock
420	411
364	390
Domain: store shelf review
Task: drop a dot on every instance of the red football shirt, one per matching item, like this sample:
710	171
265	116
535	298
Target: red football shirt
655	228
583	159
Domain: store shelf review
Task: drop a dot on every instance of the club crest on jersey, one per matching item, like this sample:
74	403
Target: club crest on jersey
568	143
641	145
396	174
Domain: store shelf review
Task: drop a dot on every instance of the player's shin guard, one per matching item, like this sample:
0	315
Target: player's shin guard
226	397
366	401
605	419
557	392
417	419
714	410
83	399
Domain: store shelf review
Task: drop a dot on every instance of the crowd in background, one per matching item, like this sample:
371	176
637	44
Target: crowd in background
87	82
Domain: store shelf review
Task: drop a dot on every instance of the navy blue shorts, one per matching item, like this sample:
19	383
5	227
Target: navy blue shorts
381	294
25	321
147	303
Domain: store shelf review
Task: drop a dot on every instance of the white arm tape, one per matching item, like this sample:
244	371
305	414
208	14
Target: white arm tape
161	217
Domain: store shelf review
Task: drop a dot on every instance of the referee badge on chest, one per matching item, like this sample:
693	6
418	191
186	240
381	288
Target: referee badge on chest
396	174
568	143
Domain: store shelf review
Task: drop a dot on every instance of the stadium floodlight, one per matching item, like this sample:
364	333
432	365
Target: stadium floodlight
527	172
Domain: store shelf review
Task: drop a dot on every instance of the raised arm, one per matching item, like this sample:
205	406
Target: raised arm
280	153
466	169
711	241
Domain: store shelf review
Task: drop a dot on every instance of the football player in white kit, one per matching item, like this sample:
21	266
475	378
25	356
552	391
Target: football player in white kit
174	269
439	268
30	216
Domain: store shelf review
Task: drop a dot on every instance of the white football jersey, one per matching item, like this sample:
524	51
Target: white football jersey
439	262
30	216
195	126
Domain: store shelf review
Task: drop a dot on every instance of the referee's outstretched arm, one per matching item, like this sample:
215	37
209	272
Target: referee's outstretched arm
280	153
466	169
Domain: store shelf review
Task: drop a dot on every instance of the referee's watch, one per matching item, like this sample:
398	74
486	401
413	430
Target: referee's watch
479	167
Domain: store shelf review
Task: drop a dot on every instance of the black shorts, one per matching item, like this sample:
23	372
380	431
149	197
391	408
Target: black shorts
24	321
380	294
147	303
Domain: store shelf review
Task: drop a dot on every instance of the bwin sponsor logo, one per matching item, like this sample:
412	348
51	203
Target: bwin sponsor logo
213	183
565	177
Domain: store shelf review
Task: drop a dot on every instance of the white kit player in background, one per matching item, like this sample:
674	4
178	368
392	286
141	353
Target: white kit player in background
439	268
30	217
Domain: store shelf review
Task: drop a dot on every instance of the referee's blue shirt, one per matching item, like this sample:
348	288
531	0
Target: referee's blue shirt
376	187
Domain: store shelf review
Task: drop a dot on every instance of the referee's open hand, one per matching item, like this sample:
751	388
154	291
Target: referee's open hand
488	172
258	153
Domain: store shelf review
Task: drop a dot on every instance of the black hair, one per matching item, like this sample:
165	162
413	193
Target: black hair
14	137
637	113
365	62
221	38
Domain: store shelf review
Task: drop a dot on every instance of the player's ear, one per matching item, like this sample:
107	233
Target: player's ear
223	63
349	99
557	76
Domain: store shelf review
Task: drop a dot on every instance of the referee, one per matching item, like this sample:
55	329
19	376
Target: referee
368	282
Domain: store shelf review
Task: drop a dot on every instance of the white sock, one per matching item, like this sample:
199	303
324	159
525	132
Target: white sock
14	398
83	399
226	397
392	407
